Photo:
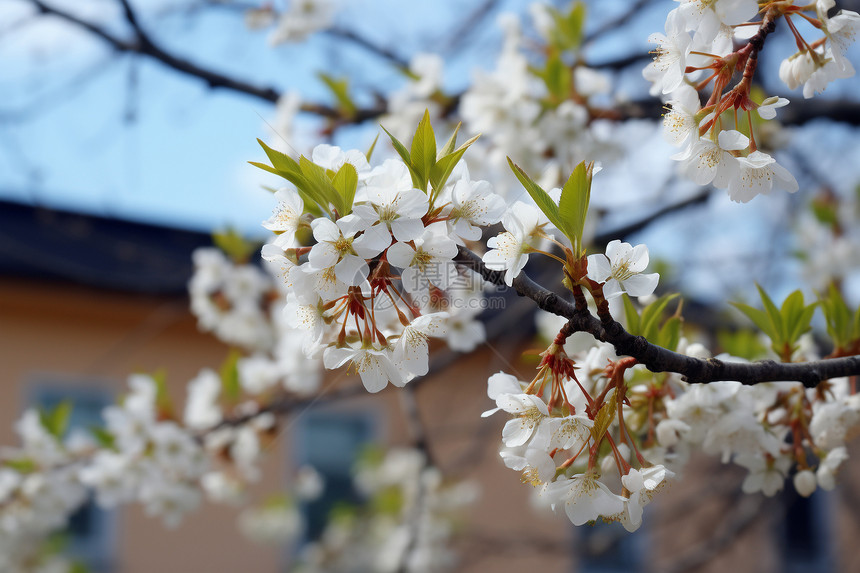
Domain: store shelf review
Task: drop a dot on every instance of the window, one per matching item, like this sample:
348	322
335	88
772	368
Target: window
803	533
609	548
331	442
91	530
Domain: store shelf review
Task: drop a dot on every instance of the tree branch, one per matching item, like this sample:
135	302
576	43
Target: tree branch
657	358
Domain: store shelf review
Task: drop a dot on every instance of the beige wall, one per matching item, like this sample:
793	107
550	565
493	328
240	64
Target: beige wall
69	334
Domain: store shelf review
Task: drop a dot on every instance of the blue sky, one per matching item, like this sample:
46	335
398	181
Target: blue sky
124	136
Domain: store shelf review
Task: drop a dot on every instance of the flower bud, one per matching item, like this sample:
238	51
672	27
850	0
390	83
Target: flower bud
804	483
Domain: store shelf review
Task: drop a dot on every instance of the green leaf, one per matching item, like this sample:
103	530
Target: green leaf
631	315
234	245
445	166
280	161
568	32
423	152
759	318
340	89
796	316
56	421
319	185
573	205
451	144
742	343
265	167
387	501
652	314
670	333
369	153
842	327
404	155
346	184
21	465
163	403
103	437
785	325
540	197
774	315
558	78
603	418
286	167
78	567
232	389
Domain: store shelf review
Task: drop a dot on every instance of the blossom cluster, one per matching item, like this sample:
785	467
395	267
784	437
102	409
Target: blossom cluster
406	524
549	118
241	305
592	422
380	280
697	49
146	452
301	19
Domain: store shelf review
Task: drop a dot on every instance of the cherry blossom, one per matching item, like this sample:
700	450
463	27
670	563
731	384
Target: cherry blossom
620	270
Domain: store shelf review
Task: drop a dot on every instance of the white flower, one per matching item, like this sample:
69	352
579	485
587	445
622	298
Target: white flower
257	374
671	53
767	109
411	352
642	484
201	409
841	30
309	484
831	422
707	17
758	173
796	70
528	410
333	158
429	262
567	433
620	270
279	264
585	498
537	466
168	500
826	474
287	217
303	18
739	432
465	331
474	206
670	432
509	251
392	204
825	72
680	125
373	365
113	477
337	247
766	475
708	162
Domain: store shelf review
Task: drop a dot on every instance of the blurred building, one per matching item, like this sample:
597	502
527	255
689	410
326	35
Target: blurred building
86	300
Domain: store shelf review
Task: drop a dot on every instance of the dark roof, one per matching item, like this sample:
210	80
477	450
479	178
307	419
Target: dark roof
46	243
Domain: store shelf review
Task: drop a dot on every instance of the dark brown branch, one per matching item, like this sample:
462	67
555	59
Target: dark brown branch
145	47
659	359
